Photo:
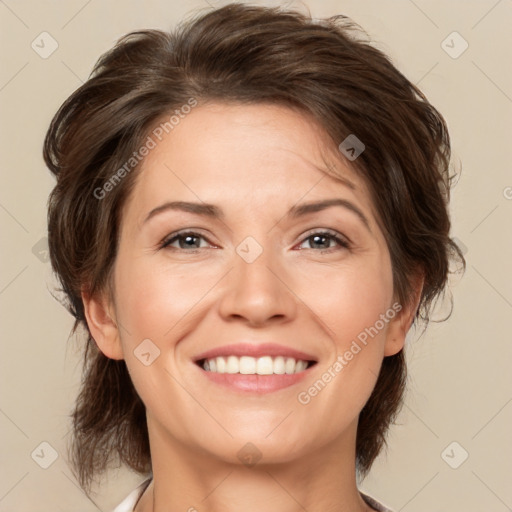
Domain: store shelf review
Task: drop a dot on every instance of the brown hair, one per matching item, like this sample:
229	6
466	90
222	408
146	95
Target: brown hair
244	54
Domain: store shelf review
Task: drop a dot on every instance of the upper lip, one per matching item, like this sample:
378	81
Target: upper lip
253	350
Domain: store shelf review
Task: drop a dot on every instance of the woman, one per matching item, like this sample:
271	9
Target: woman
250	214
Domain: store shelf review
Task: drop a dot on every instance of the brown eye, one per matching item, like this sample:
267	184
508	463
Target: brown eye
321	239
186	240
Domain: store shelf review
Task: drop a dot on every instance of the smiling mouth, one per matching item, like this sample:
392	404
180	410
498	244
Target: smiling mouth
247	365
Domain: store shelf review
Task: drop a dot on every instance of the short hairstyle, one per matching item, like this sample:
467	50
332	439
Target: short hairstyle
240	54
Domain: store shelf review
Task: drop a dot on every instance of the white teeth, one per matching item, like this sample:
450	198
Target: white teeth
300	366
221	364
279	366
232	365
289	366
247	365
264	366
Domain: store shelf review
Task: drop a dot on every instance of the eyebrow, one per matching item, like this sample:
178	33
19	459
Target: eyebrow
305	208
214	212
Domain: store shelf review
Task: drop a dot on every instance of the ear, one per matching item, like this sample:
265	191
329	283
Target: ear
102	325
399	326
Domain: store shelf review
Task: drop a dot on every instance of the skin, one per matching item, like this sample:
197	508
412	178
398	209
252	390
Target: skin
255	162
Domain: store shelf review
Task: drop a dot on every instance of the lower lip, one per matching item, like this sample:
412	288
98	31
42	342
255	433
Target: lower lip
258	384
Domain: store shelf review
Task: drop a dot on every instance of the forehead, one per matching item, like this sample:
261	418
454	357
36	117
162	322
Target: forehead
221	153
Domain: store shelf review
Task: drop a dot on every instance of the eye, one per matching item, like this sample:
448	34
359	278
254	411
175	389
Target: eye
186	240
191	241
323	238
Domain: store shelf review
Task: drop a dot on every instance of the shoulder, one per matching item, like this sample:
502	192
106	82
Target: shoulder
373	503
128	504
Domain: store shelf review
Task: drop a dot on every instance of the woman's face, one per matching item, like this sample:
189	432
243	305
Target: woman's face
258	269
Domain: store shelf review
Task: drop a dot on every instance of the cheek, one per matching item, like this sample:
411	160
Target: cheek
353	299
154	300
352	309
157	303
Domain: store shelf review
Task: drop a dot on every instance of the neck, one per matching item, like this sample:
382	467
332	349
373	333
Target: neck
185	479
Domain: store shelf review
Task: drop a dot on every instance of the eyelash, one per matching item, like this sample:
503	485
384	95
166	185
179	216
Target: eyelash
333	235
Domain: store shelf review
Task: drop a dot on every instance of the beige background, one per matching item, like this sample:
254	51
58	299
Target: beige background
460	385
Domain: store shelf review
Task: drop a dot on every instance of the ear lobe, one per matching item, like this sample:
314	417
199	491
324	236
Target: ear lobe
400	325
102	326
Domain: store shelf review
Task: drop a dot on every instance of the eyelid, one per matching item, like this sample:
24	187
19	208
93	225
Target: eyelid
342	240
333	232
185	231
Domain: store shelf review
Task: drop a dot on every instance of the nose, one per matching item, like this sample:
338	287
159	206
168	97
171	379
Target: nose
258	292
